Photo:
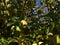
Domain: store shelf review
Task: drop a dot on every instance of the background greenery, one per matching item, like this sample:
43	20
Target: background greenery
19	26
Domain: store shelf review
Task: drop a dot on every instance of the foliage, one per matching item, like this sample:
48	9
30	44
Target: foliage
20	26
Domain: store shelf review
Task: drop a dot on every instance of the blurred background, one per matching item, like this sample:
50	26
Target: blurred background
29	22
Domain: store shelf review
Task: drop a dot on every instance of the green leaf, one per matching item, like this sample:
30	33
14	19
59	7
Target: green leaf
32	35
51	1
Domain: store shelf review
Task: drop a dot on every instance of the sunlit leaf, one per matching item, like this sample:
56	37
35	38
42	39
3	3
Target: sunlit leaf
9	5
59	0
34	44
18	29
6	0
40	43
24	22
58	38
12	27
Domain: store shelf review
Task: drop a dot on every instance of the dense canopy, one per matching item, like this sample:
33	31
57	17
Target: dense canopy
29	22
